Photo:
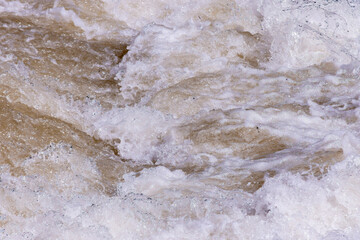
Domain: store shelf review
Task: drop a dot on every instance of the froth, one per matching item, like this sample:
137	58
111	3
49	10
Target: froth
179	120
137	132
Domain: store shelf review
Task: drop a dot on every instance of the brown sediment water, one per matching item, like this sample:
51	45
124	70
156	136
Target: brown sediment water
188	120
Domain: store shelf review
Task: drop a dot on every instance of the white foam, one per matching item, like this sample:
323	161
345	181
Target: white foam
235	62
310	33
139	130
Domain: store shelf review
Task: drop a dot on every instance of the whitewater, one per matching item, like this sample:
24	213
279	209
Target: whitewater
162	119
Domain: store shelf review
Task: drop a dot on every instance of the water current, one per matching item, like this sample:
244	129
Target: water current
161	119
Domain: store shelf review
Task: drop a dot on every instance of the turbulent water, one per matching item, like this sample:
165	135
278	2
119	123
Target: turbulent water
160	119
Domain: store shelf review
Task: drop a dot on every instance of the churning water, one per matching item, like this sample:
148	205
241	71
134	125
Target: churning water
163	119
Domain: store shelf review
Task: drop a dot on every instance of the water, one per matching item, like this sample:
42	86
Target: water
182	119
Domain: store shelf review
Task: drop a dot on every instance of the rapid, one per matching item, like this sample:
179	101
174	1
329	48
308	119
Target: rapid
161	119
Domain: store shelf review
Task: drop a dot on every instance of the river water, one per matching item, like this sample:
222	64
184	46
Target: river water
208	119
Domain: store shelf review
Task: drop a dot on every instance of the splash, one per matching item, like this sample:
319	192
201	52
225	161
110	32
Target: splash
210	119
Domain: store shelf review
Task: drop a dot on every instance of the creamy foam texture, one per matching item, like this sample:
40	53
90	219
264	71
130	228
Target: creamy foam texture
179	120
